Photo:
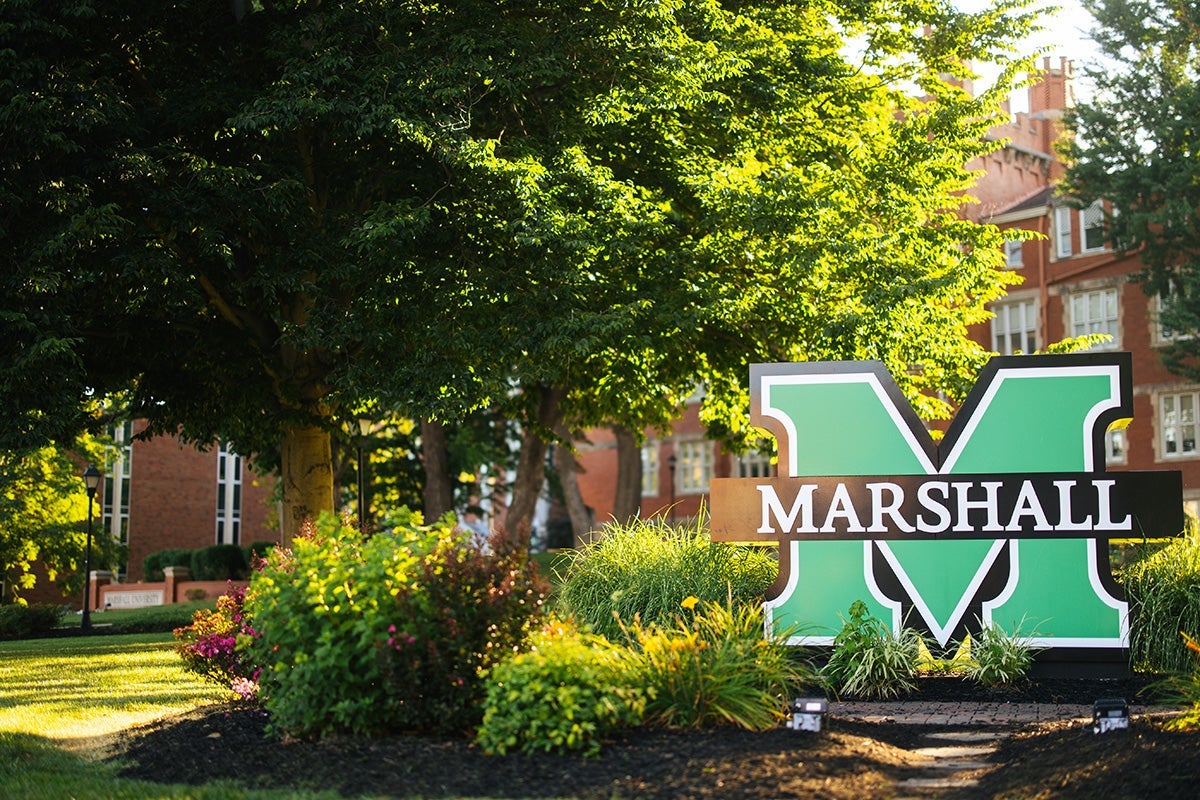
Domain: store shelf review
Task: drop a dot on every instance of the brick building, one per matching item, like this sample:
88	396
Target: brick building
1073	284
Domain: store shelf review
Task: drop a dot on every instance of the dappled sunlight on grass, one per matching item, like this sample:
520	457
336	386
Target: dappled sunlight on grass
72	688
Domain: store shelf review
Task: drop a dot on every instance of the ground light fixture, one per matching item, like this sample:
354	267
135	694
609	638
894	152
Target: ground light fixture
807	713
91	482
1109	714
364	429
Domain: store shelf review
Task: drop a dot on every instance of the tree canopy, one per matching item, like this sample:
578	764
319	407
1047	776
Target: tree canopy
251	222
1136	143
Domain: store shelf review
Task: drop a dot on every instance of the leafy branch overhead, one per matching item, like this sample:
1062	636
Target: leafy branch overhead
253	223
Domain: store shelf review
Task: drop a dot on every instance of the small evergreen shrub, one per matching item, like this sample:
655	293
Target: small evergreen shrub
716	667
1164	599
644	569
29	621
152	565
219	562
214	645
999	659
568	692
868	660
386	633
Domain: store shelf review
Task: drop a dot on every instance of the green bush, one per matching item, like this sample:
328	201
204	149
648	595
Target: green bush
387	633
152	619
28	621
1164	599
868	660
644	569
152	565
717	667
220	562
258	550
568	692
999	659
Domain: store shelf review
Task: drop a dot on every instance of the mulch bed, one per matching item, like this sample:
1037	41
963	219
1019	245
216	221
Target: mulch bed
848	760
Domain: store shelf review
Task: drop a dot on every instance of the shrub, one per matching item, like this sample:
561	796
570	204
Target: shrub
210	648
257	551
385	633
1164	595
568	692
1183	689
152	565
1000	659
219	562
644	569
28	621
868	660
717	667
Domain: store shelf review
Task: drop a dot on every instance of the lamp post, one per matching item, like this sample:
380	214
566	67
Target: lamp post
364	427
91	482
671	462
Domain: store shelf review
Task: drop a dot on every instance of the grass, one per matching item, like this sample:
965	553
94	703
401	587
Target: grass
1164	591
60	698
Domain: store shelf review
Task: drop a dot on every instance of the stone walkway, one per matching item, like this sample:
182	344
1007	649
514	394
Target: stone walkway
966	713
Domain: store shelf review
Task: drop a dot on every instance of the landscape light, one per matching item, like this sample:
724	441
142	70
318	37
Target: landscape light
807	713
1109	714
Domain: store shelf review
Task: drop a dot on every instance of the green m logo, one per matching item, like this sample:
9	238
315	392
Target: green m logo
1005	520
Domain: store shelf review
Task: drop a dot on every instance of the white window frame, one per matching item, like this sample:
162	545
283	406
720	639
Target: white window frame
650	469
1163	335
1116	446
754	464
1002	331
229	496
118	486
1091	220
1083	321
694	466
1062	232
1174	431
1014	253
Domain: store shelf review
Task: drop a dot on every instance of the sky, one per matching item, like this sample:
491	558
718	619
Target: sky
1064	34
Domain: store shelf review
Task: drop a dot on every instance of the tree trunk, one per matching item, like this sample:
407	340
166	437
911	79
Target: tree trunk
627	499
306	472
438	494
568	473
531	468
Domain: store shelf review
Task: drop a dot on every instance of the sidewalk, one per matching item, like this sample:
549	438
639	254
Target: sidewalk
909	712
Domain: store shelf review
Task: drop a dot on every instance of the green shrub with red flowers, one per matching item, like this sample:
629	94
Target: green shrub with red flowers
210	648
385	633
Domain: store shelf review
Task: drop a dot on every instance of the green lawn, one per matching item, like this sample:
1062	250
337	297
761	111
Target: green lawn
61	698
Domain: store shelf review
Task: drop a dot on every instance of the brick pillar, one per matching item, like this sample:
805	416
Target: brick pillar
174	576
96	579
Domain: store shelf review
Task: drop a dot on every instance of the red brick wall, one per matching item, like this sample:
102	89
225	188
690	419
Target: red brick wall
173	501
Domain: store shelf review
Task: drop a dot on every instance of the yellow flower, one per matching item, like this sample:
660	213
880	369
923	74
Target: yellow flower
690	601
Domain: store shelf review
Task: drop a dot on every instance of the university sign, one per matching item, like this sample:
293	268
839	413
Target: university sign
1005	520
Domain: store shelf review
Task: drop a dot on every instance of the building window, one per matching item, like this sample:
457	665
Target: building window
695	466
1177	424
1163	334
1092	222
114	509
229	496
1014	329
1095	312
1014	253
650	469
1062	231
1115	447
754	465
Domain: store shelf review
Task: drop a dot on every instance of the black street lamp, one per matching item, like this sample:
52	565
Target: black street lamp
364	427
91	482
671	462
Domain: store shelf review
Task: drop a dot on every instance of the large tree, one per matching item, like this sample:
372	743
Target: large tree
1135	144
253	219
